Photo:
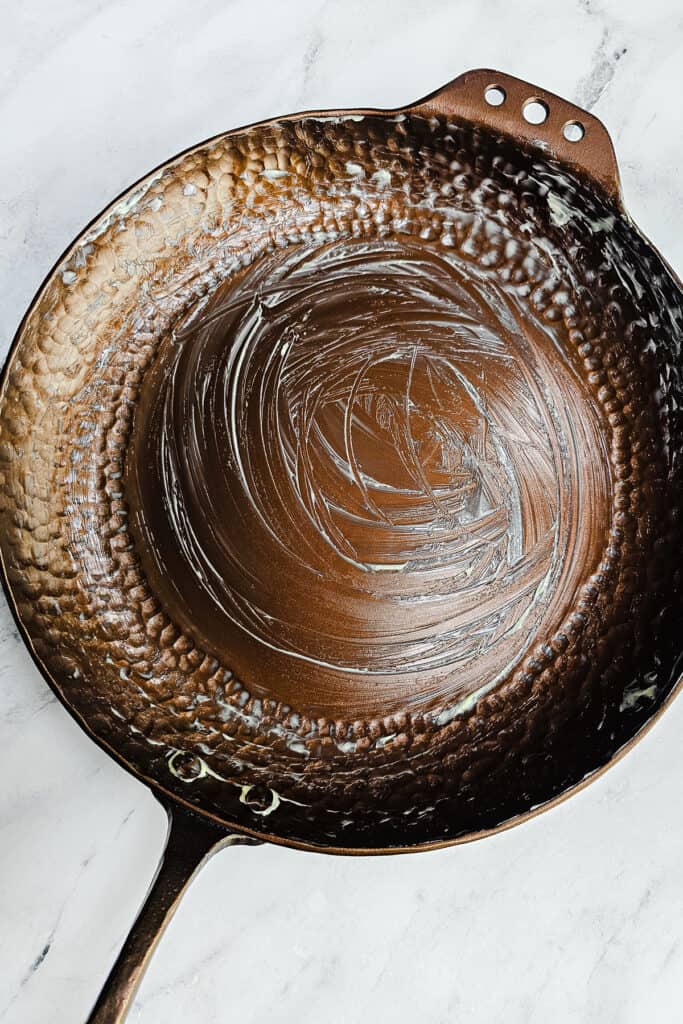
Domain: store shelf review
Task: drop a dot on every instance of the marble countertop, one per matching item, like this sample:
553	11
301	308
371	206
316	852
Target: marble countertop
575	916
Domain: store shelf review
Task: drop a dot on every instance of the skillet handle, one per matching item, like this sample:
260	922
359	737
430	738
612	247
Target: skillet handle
465	96
190	842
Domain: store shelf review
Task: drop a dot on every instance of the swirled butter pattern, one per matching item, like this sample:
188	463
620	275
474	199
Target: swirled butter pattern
360	468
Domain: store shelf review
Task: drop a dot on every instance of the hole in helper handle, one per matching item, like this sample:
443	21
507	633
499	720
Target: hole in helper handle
503	110
190	842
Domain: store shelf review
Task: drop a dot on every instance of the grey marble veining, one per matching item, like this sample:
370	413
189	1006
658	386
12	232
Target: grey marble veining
576	916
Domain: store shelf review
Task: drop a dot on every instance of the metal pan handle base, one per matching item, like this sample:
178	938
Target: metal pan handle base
470	95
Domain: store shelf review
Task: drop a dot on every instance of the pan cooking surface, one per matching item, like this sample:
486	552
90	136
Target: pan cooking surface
365	476
340	479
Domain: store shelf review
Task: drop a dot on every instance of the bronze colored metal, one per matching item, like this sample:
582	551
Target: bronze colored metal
593	155
340	486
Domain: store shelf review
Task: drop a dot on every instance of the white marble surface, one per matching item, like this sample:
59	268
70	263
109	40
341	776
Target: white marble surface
577	916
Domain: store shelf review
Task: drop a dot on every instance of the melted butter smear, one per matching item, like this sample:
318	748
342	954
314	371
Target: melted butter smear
363	475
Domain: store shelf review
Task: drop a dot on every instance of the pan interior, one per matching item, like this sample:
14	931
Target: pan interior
367	478
340	479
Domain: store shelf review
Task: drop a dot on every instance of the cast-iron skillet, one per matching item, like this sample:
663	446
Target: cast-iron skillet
340	480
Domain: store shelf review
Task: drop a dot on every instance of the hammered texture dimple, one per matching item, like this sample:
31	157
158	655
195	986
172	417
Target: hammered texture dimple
172	710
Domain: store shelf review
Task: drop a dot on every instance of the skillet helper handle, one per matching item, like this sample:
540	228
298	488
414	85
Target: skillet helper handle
466	96
190	842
